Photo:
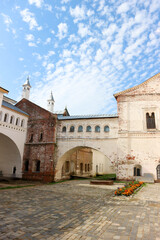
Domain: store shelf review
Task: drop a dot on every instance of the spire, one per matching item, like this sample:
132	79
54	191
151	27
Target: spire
26	89
51	103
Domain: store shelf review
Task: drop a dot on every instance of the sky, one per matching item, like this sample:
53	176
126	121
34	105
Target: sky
82	50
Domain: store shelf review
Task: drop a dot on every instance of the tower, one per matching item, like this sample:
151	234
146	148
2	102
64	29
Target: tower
51	103
26	89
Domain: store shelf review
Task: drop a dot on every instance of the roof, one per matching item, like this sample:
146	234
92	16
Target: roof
51	97
4	90
9	100
9	105
137	86
74	117
27	82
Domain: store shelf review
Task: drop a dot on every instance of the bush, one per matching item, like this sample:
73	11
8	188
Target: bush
129	188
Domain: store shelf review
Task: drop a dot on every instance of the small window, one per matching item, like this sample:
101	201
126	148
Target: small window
80	129
41	137
150	119
88	167
26	166
11	119
88	129
97	129
31	138
5	117
17	122
64	129
37	166
85	167
137	170
0	115
106	129
72	129
22	123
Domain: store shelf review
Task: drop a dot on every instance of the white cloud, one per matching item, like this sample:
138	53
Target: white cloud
62	30
29	37
83	30
37	3
21	59
48	40
29	18
32	44
7	20
78	13
37	55
50	66
65	1
123	8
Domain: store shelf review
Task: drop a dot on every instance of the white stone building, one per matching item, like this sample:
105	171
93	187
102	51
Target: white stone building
13	128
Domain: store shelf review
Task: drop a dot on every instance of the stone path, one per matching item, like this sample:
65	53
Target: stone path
70	210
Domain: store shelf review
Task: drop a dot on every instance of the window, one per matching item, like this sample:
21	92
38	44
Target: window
80	129
17	122
85	167
106	129
37	166
137	170
22	123
5	117
41	137
97	129
11	119
150	119
88	129
88	167
26	166
64	129
0	115
81	168
31	138
72	129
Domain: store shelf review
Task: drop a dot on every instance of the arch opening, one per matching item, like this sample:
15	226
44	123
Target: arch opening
83	162
10	158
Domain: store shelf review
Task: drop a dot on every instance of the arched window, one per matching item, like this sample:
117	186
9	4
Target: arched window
6	117
22	123
31	138
106	129
0	115
80	129
64	129
72	129
12	120
88	167
41	137
97	129
38	163
137	170
150	119
88	129
17	121
26	166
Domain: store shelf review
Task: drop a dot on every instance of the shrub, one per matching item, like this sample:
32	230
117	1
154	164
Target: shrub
129	188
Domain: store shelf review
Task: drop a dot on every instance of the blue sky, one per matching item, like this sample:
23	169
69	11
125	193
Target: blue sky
82	50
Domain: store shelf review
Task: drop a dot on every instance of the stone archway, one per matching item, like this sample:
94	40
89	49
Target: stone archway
10	158
85	164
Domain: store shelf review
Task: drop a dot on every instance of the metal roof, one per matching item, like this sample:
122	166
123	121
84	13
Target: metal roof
11	106
74	117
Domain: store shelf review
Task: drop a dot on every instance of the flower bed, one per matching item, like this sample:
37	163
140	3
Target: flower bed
129	188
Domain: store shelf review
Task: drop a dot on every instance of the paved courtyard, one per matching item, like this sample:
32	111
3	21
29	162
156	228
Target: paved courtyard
75	210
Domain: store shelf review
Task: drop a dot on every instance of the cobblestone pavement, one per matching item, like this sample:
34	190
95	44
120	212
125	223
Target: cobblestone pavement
71	211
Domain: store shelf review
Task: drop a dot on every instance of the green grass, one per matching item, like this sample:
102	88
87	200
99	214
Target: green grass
106	177
12	187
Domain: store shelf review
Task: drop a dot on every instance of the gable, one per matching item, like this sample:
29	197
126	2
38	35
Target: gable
150	86
33	110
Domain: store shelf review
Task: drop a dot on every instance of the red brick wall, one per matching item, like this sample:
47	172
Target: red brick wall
40	121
